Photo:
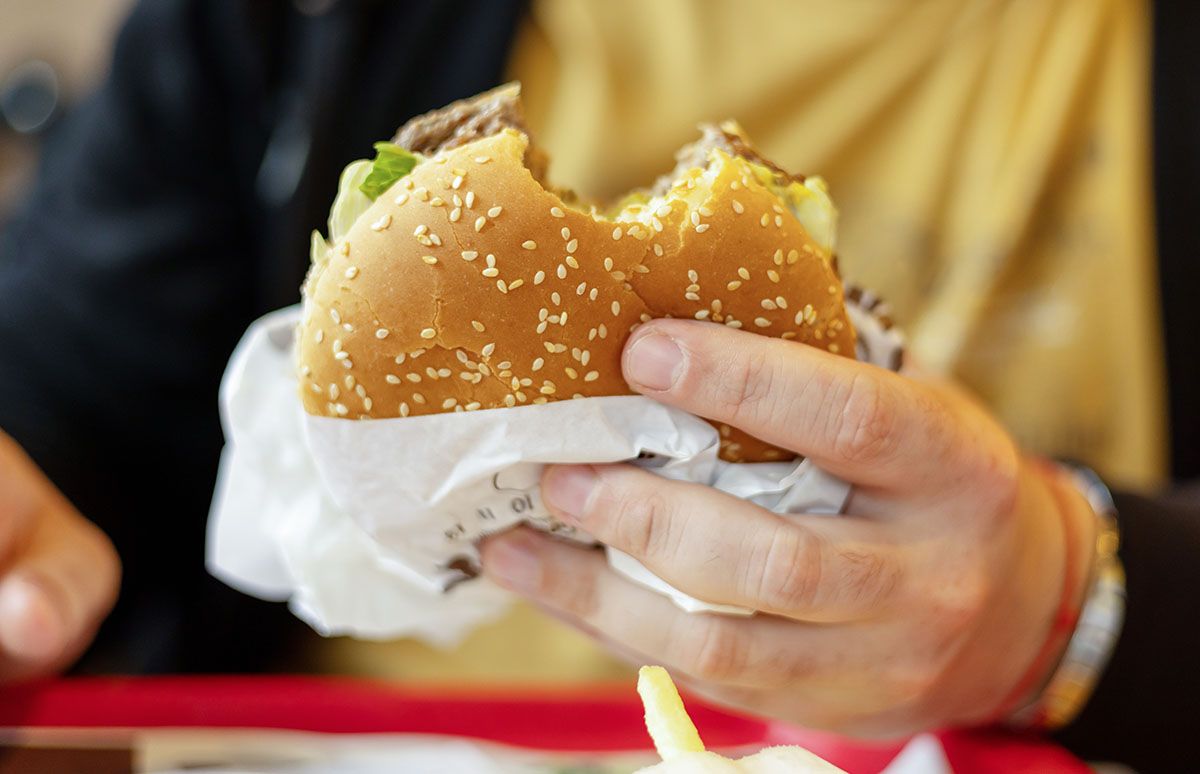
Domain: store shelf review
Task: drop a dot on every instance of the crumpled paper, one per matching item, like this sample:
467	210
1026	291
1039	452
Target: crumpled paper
368	528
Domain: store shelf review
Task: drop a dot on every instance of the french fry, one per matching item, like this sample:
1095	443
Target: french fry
669	725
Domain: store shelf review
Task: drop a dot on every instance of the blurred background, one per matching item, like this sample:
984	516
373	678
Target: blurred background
52	52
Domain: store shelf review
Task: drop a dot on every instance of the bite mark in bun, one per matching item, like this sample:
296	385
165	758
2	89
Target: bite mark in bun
469	284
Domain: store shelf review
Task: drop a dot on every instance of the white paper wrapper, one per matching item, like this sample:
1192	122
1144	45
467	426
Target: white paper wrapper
368	528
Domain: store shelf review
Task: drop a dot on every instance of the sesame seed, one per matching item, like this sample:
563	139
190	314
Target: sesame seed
437	201
342	355
457	182
404	409
443	372
762	322
834	348
571	372
593	293
344	249
602	330
663	210
608	264
765	219
781	301
693	275
769	305
477	325
437	240
516	284
334	392
422	193
772	275
561	271
529	244
702	228
538	363
570	259
581	289
743	273
418	398
470	199
778	257
382	223
572	245
732	323
428	333
547	389
585	356
695	218
591	376
778	221
455	214
425	240
392	379
431	372
421	230
416	353
504	365
494	212
543	313
429	259
341	409
473	405
491	260
539	277
480	222
503	288
449	403
691	296
400	358
381	333
402	198
482	159
792	257
658	250
549	347
469	255
734	285
510	401
706	211
616	308
348	327
491	271
351	272
562	319
616	233
557	212
692	288
702	314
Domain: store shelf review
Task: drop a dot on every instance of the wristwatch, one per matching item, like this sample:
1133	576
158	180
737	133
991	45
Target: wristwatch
1100	620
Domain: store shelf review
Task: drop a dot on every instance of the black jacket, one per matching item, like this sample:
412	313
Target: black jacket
174	207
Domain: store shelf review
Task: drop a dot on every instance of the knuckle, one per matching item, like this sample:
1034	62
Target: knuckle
870	577
746	385
790	576
717	653
863	427
642	523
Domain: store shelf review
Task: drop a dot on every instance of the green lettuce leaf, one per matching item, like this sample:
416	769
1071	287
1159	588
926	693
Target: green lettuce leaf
391	163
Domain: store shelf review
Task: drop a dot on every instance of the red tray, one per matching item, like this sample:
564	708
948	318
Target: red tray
599	718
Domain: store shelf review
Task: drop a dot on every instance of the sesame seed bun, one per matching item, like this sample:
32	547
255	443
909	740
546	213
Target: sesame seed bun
470	285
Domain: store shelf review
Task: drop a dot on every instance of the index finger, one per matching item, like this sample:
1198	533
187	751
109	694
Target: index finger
858	421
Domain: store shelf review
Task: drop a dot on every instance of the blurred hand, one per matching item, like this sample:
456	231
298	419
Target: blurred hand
58	572
925	605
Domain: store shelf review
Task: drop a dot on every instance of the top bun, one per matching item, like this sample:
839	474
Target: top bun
470	285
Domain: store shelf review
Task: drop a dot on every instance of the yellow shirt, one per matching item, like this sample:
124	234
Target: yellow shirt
990	160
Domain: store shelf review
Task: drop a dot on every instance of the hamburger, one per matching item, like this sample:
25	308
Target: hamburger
455	278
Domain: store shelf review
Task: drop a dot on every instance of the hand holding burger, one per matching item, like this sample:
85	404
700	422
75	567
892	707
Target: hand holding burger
927	604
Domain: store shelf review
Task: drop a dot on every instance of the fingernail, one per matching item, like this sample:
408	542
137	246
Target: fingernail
567	488
30	626
512	562
653	362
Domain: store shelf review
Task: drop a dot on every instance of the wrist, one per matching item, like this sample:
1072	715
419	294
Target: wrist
1066	550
